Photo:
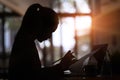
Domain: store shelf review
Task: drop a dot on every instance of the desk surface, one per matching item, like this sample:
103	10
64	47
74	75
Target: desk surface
78	77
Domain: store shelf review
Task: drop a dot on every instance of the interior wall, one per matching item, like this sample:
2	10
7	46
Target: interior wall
106	30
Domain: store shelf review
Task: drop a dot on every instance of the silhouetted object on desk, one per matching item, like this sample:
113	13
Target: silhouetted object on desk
78	66
38	23
100	55
84	67
96	62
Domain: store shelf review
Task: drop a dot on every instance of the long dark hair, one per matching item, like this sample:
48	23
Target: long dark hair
39	18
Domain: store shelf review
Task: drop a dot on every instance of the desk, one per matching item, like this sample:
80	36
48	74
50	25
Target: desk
91	78
73	77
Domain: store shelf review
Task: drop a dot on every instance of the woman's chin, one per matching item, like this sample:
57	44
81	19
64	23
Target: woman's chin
42	40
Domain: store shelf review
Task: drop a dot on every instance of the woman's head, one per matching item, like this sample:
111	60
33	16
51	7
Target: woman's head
40	20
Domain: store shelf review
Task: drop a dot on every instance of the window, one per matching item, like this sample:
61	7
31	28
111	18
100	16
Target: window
73	32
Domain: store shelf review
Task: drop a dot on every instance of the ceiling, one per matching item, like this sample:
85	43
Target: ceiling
20	6
109	8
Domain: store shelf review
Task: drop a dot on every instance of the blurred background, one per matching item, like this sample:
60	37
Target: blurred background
83	24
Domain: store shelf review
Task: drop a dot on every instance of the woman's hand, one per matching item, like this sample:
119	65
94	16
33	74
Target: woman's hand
67	60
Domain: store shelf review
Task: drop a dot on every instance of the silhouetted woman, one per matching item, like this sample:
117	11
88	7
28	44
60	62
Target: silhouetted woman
38	23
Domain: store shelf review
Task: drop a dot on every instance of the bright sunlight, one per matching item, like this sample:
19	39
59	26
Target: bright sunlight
68	25
83	25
